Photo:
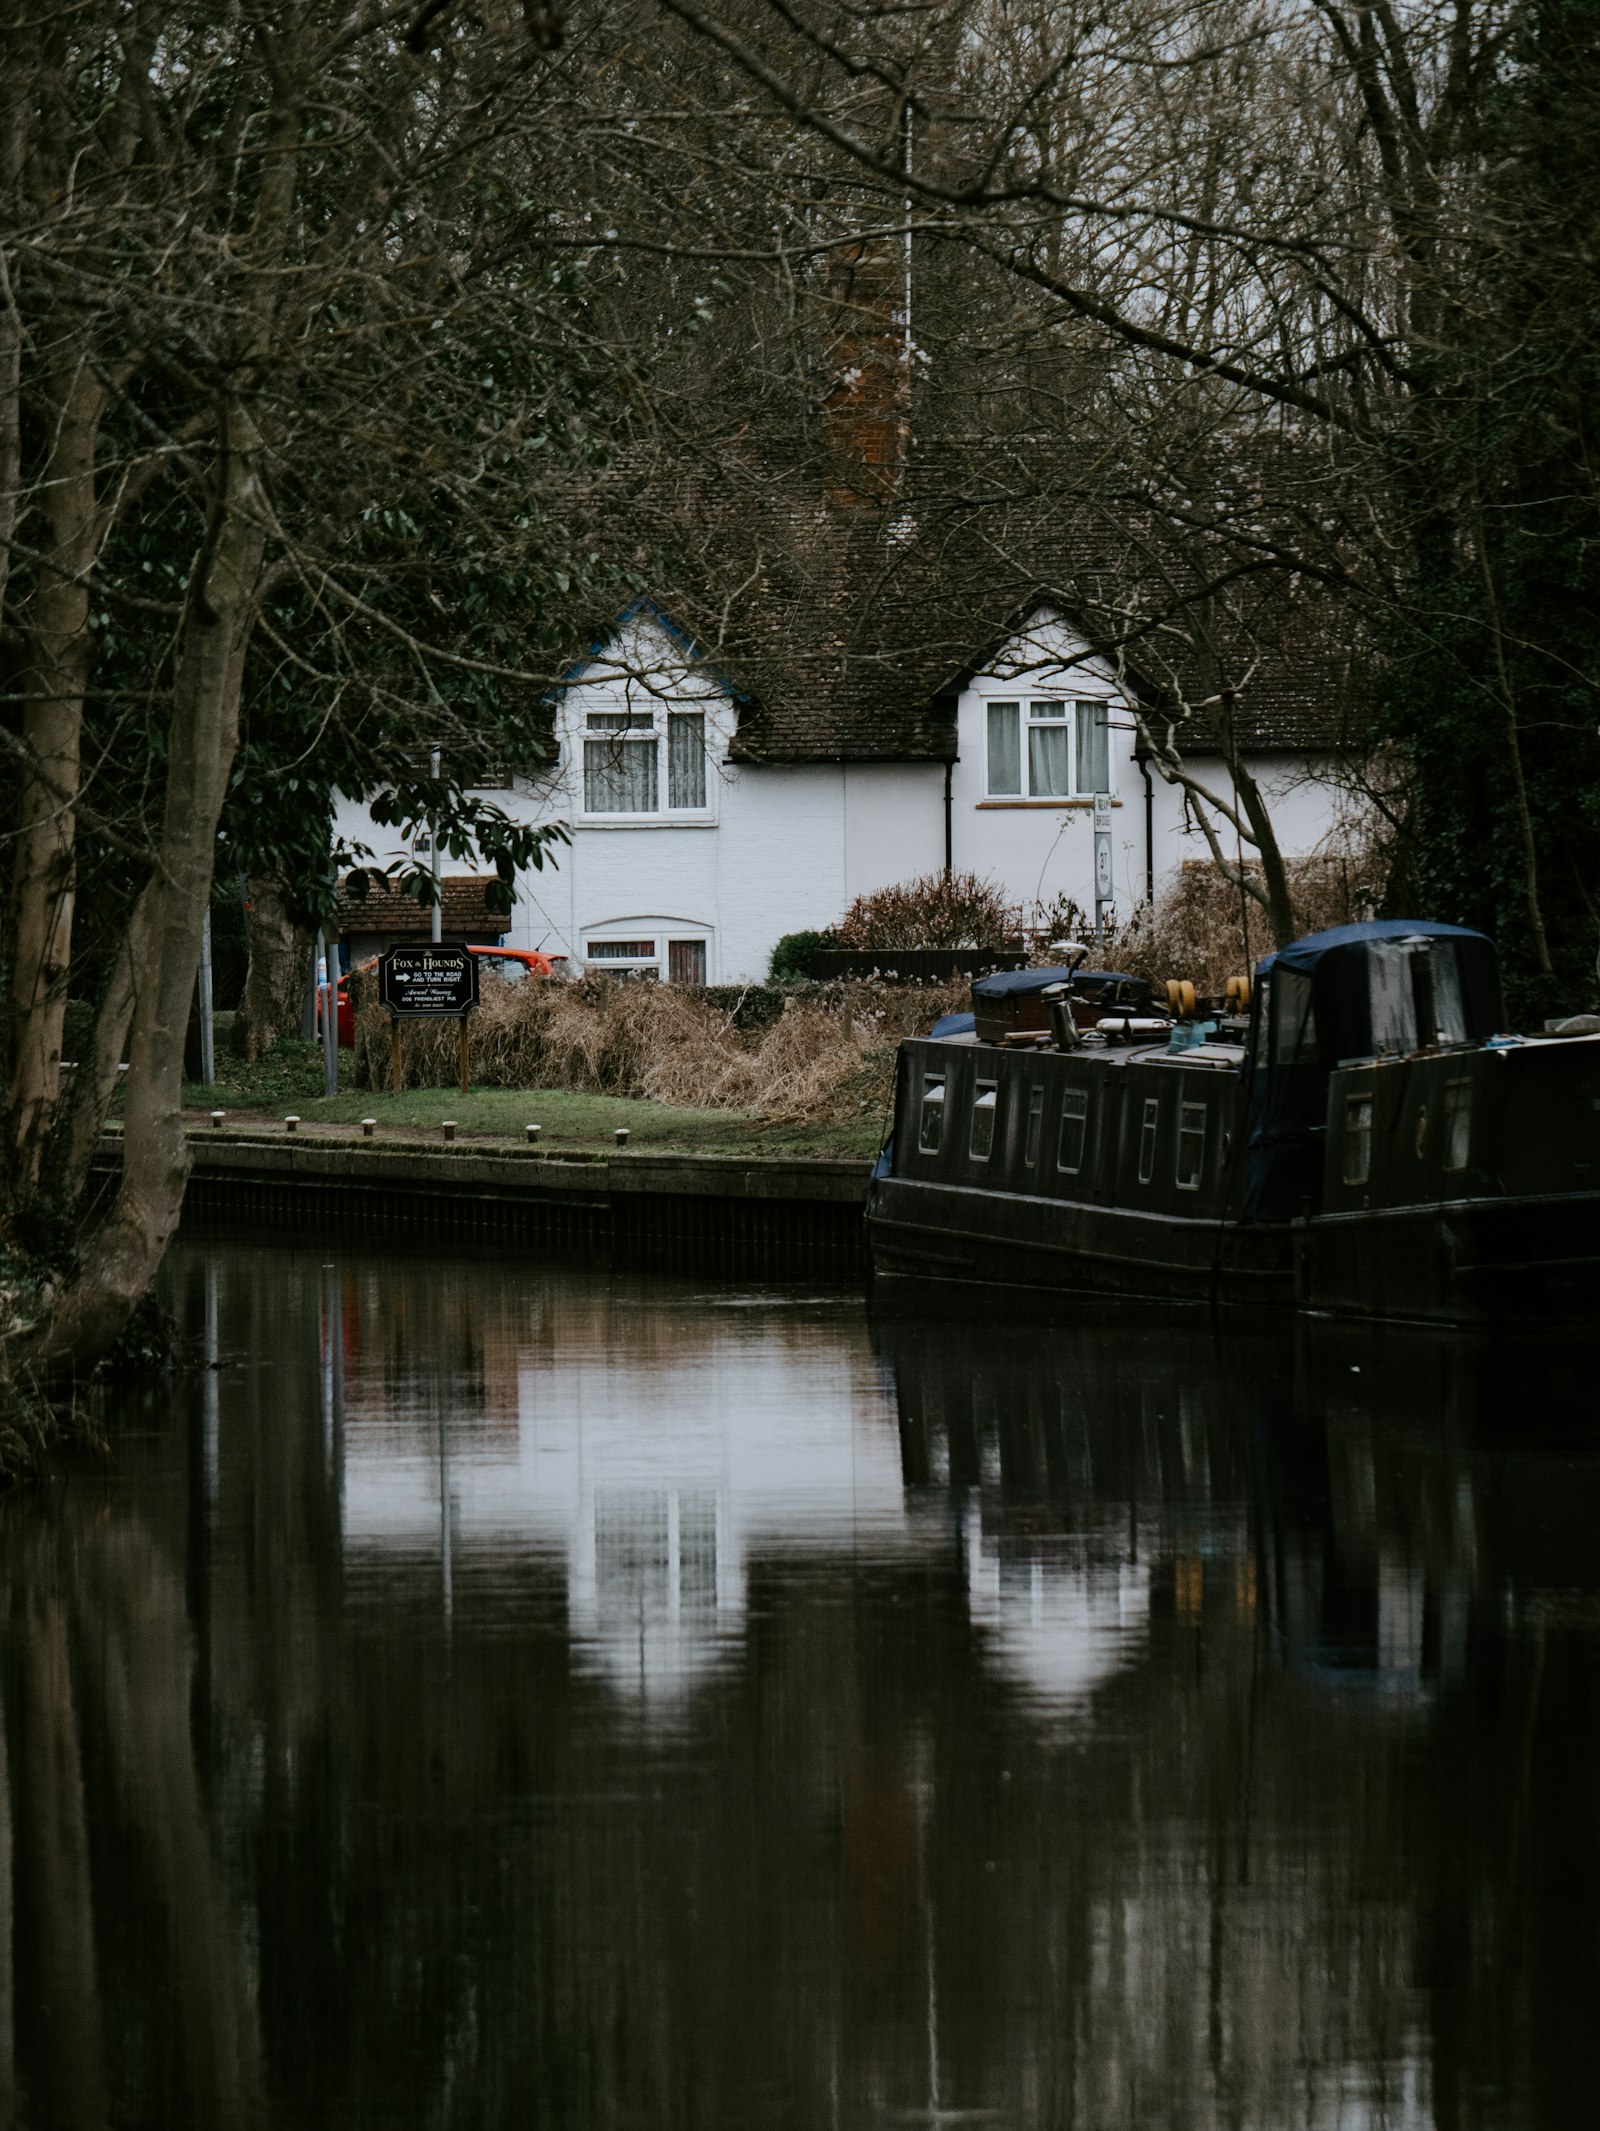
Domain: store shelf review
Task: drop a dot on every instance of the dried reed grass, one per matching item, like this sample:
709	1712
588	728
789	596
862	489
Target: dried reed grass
1199	930
827	1057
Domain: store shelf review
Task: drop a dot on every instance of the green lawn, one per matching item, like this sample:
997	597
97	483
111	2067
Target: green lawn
290	1078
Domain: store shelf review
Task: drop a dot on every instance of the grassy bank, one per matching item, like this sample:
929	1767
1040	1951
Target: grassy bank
290	1078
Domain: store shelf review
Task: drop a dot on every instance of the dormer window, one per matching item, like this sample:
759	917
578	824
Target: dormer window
636	758
1047	748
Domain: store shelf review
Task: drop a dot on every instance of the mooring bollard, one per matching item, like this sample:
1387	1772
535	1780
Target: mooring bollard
449	1128
369	1125
532	1132
622	1135
217	1116
291	1124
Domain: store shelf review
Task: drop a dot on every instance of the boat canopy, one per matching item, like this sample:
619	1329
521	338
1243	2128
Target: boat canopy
1383	989
1007	983
1388	987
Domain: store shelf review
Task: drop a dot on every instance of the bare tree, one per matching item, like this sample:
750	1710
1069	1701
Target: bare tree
1337	225
258	275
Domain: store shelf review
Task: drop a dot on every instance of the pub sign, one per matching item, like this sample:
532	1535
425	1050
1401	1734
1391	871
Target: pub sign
441	982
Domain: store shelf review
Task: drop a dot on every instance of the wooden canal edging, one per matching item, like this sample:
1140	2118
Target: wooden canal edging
745	1213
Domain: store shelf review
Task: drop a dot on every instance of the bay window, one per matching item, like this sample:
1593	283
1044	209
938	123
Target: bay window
1047	749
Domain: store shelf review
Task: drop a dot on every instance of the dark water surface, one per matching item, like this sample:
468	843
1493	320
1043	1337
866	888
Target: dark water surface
504	1694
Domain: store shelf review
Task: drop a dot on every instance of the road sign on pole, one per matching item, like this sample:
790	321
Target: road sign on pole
1102	863
439	982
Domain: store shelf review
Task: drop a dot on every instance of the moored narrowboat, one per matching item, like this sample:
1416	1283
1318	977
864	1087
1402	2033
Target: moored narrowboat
1367	1140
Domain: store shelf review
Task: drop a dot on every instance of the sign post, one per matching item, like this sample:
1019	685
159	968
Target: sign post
329	1011
1102	865
427	984
208	1040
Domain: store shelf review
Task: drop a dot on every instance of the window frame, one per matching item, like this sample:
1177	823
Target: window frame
1353	1135
1149	1137
931	1107
1187	1111
654	724
1063	713
1034	1133
678	943
985	1104
1075	1112
623	965
597	945
1455	1122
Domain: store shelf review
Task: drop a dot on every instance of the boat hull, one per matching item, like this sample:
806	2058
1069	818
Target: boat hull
933	1238
1525	1260
1483	1262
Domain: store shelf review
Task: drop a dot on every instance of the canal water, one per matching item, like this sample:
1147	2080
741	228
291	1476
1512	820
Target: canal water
489	1691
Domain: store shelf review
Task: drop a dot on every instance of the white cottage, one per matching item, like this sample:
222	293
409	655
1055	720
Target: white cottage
708	820
872	660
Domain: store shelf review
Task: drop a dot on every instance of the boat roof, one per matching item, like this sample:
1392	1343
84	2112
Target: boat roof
1307	953
1004	983
1208	1057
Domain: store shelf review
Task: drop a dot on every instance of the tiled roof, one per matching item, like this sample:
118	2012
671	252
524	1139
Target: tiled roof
464	911
848	631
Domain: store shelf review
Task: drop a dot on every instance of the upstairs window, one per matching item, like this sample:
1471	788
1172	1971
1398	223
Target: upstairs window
1047	749
634	758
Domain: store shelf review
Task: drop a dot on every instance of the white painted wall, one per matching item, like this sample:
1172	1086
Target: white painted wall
1038	849
786	847
781	848
894	824
1311	806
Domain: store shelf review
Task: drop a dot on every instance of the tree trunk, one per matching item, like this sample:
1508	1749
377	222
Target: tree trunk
123	1257
55	674
81	1116
1275	898
275	983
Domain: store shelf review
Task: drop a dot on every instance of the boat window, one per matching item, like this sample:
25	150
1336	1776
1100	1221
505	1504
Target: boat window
1147	1138
930	1127
1191	1145
1294	1020
1030	1149
984	1101
1457	1123
1449	1016
1389	997
1357	1138
1074	1130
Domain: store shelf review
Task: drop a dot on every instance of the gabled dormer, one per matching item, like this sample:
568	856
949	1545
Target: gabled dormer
644	723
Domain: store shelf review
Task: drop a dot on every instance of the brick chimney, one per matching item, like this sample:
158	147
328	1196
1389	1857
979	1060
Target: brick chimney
866	413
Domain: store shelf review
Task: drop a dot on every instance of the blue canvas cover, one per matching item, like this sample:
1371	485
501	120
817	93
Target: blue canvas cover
954	1025
1391	985
1006	983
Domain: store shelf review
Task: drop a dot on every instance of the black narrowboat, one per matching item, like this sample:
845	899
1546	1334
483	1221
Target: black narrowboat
1367	1141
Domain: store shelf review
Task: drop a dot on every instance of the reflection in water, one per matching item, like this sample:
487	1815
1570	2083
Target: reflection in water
490	1694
